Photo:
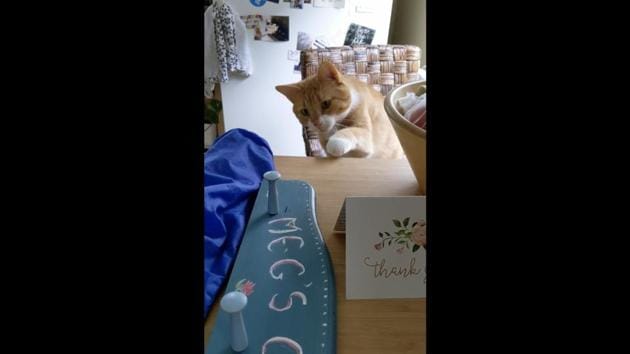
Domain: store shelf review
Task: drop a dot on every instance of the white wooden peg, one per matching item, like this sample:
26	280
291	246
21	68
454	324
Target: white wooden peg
273	204
233	303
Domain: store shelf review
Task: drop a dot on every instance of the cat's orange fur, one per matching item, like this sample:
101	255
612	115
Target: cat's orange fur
348	114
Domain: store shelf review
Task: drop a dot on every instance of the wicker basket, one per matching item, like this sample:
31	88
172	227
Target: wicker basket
385	67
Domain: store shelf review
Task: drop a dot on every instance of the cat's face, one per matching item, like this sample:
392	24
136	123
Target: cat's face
322	100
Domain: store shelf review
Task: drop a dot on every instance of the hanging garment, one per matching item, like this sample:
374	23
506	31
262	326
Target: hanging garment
226	46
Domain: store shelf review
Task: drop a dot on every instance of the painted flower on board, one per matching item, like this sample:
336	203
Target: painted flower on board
245	286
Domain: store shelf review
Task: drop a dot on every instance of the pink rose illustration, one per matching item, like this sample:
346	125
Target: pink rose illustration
419	234
407	235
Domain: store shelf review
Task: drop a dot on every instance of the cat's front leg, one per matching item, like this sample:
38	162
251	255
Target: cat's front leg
339	146
349	141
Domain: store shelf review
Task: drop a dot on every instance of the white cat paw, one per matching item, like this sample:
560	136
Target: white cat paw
338	146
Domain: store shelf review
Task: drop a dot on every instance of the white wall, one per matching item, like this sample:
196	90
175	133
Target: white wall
409	24
253	103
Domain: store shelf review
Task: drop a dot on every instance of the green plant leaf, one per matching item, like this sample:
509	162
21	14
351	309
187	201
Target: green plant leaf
415	248
215	105
414	224
406	221
212	109
380	234
387	233
397	223
401	241
211	118
390	243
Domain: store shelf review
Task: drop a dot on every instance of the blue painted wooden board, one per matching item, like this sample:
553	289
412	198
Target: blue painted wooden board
284	268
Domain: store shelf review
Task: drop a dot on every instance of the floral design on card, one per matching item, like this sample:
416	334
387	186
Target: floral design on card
405	236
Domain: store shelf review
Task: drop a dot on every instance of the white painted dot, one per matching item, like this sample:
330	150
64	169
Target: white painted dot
323	272
325	289
324	324
322	345
325	280
325	296
323	333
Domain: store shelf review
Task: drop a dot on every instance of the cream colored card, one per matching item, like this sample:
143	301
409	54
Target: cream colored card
385	247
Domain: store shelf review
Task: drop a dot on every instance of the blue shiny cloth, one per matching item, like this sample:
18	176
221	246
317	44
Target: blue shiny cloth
234	167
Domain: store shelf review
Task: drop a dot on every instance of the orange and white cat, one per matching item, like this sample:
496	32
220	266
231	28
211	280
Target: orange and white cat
348	114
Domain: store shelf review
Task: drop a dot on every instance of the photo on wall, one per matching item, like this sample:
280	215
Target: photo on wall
358	34
268	28
297	4
273	29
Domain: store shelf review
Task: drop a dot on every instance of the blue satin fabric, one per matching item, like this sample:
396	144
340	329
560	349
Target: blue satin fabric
234	167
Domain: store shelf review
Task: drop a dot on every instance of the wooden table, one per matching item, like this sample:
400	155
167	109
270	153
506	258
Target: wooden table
363	326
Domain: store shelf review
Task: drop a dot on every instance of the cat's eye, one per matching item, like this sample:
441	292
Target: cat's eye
326	104
304	111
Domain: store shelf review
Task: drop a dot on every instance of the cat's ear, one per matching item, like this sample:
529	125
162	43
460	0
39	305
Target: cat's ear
328	71
293	91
